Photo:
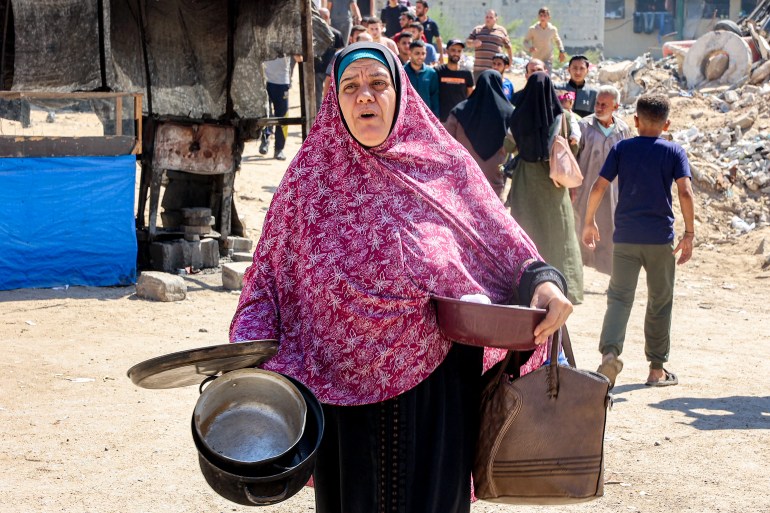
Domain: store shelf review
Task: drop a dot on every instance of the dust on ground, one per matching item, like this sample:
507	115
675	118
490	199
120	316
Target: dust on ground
77	436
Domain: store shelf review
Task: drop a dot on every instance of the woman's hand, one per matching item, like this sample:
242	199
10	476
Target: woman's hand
549	296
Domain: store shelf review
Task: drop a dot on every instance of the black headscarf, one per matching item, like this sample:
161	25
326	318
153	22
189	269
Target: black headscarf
486	115
391	64
536	108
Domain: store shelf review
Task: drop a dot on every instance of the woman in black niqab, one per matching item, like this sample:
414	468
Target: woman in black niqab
536	109
480	123
542	209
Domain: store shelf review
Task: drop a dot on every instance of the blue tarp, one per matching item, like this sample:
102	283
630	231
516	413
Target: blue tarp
67	221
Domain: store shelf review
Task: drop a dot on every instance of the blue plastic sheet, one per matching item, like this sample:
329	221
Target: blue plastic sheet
67	221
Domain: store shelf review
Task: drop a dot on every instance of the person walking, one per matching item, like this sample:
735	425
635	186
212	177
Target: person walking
430	28
390	17
404	41
454	83
379	211
278	83
542	37
585	95
487	40
374	28
322	62
343	15
645	166
422	77
601	130
540	207
500	63
431	54
480	123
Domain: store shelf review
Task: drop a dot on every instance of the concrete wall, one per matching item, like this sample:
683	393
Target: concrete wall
620	41
580	22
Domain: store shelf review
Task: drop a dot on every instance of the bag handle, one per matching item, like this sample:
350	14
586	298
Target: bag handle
564	124
561	337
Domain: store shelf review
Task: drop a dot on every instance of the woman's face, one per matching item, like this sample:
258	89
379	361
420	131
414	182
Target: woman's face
367	99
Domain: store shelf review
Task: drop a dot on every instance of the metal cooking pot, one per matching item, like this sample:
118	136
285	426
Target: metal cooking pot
248	418
274	482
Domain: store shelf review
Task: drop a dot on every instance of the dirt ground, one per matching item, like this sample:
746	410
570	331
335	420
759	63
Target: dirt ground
77	436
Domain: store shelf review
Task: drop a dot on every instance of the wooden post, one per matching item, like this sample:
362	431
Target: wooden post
118	115
307	69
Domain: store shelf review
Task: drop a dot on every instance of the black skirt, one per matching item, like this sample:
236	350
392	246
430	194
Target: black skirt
410	454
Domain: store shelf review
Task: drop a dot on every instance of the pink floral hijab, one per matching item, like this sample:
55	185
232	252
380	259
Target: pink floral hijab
357	240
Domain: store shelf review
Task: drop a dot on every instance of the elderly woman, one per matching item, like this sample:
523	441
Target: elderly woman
380	210
540	207
480	124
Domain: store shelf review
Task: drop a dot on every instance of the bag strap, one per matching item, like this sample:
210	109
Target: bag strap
561	337
566	344
564	124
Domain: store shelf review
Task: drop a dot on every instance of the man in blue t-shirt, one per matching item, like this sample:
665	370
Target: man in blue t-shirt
500	63
646	166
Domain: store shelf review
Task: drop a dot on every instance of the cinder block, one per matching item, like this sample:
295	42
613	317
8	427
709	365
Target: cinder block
192	254
238	244
242	256
167	256
210	253
232	275
159	286
170	256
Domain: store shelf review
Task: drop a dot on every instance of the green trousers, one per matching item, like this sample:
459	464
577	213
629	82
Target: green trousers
659	263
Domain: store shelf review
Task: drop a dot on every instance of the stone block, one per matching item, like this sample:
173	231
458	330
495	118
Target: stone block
167	256
238	244
197	230
192	254
159	286
170	256
232	275
242	256
209	253
744	121
196	213
731	96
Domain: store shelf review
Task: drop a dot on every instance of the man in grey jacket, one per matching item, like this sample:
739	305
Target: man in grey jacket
600	131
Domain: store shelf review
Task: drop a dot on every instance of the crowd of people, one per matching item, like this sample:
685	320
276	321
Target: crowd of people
399	193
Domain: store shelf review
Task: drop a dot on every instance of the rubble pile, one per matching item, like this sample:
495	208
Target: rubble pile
725	131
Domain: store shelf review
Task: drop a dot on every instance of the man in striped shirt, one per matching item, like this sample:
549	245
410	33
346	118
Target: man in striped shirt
488	39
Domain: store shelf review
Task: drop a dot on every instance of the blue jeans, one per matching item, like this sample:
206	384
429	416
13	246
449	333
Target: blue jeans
278	94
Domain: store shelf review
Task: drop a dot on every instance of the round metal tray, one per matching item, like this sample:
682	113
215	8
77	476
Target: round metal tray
192	366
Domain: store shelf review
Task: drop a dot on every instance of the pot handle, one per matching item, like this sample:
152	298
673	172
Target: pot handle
205	382
261	500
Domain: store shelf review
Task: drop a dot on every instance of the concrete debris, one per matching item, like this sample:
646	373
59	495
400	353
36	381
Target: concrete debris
761	248
232	275
760	73
741	225
159	286
716	65
717	57
615	71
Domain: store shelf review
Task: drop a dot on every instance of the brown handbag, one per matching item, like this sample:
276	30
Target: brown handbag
541	437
